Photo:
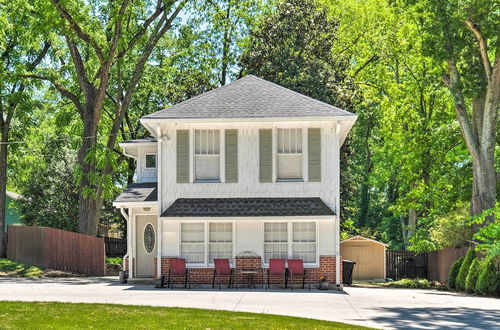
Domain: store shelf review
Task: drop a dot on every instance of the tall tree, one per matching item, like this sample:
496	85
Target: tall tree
293	47
465	35
102	38
21	49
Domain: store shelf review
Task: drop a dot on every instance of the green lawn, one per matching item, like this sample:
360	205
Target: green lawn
17	269
23	315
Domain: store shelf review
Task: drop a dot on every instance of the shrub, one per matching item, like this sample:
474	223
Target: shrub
488	282
464	270
415	284
455	268
470	281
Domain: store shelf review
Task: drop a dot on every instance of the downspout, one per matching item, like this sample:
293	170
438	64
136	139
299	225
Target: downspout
158	180
129	245
337	206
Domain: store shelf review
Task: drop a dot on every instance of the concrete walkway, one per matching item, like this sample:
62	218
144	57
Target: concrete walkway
373	307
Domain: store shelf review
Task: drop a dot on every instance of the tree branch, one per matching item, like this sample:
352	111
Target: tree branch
81	74
78	30
64	92
483	48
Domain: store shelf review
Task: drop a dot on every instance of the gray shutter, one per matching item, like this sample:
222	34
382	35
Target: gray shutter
231	155
314	159
182	156
265	155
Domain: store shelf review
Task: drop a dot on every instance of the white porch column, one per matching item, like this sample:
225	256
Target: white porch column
337	202
158	180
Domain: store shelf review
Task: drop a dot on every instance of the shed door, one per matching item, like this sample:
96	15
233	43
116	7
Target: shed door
145	245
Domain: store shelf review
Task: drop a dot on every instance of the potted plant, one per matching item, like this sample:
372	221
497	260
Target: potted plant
323	283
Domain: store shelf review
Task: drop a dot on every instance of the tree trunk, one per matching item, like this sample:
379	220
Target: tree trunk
3	194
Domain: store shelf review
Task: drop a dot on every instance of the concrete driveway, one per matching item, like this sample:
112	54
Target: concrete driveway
373	307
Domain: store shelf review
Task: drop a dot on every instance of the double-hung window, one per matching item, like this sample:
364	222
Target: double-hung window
295	240
196	247
304	241
207	155
193	242
220	241
150	161
289	154
275	240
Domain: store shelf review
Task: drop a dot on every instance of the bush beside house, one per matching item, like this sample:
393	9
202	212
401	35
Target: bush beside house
488	282
455	268
470	281
464	270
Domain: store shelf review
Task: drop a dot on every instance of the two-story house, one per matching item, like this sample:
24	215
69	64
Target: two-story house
250	166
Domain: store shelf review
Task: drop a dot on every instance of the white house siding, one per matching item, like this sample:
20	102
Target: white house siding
145	174
248	166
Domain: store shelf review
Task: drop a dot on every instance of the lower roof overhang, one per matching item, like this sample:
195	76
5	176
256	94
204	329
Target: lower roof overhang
143	194
255	207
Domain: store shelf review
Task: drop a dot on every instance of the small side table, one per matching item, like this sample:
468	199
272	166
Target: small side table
249	276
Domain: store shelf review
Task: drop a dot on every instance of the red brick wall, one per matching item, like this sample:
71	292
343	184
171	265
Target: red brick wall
205	275
126	265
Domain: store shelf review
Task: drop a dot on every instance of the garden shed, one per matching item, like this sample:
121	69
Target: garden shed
369	256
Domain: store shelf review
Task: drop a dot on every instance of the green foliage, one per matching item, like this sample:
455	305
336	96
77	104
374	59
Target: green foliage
455	269
488	282
453	228
464	270
472	275
415	284
114	261
488	235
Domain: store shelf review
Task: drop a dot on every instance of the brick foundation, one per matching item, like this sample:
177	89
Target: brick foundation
205	275
126	265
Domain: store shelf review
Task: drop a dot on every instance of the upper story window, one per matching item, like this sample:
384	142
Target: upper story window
289	149
151	161
207	155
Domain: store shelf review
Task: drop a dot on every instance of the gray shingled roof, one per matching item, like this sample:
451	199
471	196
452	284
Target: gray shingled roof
139	192
249	97
247	207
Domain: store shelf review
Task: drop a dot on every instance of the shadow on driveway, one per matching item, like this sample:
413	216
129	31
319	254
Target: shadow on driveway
438	318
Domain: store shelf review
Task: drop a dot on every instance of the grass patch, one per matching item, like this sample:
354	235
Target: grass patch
114	261
16	269
23	315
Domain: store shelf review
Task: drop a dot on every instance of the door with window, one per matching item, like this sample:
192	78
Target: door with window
145	239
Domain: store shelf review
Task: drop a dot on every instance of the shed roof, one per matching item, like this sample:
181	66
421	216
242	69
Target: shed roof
247	207
250	97
359	238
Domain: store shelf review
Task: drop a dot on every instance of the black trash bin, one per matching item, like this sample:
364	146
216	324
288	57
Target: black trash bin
347	269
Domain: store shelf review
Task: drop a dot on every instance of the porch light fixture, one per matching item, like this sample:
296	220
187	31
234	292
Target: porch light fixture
146	209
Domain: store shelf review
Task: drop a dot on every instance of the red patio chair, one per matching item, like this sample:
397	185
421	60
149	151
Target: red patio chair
276	269
222	269
178	269
296	270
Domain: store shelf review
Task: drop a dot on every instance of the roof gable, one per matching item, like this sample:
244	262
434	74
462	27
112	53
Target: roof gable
359	238
250	97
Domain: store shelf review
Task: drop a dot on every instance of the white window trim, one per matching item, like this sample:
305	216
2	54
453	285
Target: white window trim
146	163
290	240
206	223
222	151
305	153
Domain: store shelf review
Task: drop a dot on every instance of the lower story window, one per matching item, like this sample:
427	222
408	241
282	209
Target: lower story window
220	237
294	240
193	242
275	240
304	241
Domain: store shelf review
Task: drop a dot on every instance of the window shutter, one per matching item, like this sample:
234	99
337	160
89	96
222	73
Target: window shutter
314	159
231	155
182	156
265	155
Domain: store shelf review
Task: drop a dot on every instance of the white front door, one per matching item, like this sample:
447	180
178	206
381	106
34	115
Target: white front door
145	242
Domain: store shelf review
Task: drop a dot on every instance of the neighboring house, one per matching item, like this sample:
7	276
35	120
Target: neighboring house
250	166
369	255
12	215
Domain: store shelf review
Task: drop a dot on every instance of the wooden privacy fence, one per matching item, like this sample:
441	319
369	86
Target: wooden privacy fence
115	247
56	249
440	262
405	264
